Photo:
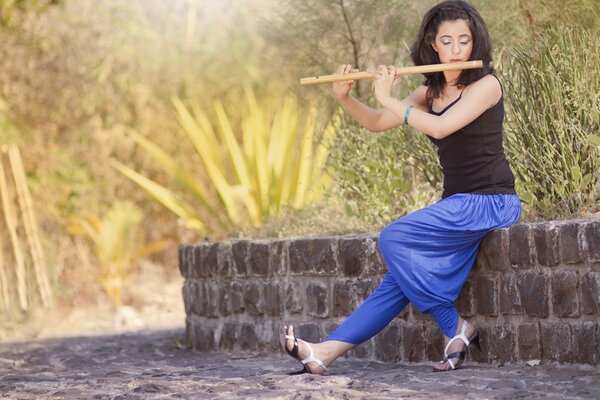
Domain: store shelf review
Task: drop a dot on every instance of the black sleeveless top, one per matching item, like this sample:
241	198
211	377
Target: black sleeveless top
472	158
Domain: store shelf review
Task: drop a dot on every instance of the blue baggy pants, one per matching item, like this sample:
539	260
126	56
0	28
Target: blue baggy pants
429	254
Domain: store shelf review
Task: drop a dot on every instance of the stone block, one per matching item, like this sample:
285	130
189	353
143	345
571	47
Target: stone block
502	343
565	294
519	248
590	293
486	293
200	298
187	292
434	343
592	238
363	351
387	344
585	342
278	257
494	251
248	339
421	317
465	304
210	260
183	262
557	342
212	299
375	264
273	305
197	268
317	299
365	287
224	302
343	299
259	259
229	336
414	343
312	256
309	332
293	300
533	290
204	337
530	347
239	252
510	297
225	260
236	296
253	298
351	251
545	237
486	355
570	246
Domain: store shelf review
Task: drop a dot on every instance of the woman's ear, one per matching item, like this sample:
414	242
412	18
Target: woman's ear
434	47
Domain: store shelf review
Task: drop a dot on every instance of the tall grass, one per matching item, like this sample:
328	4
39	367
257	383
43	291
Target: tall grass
553	93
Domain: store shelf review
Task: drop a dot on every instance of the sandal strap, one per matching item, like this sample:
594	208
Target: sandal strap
459	354
460	336
311	357
294	351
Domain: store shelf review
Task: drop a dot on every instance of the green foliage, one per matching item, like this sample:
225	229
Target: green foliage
553	93
12	10
384	176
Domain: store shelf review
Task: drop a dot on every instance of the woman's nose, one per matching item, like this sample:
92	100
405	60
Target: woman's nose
455	49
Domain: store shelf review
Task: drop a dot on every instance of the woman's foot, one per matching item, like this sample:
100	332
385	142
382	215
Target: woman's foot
325	352
315	363
471	333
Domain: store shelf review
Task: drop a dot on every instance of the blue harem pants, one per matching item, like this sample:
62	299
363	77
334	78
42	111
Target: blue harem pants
429	254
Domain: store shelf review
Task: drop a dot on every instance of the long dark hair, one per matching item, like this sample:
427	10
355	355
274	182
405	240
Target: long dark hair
422	53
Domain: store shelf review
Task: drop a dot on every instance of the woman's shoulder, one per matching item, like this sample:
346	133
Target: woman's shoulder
489	85
487	82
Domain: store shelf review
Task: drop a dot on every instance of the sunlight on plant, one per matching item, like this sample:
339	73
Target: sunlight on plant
116	245
553	109
275	157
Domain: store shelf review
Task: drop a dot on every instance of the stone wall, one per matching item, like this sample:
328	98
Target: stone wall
534	292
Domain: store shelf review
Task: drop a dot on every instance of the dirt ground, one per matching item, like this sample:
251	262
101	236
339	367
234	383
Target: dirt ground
154	365
81	354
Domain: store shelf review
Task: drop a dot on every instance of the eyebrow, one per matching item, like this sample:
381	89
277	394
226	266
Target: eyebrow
463	35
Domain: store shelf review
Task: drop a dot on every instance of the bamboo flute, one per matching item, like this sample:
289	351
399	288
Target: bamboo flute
420	69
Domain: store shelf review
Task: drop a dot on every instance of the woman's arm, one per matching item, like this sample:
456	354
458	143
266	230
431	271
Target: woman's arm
476	99
370	118
384	119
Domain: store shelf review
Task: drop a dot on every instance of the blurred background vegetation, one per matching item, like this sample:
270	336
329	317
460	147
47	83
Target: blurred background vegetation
191	112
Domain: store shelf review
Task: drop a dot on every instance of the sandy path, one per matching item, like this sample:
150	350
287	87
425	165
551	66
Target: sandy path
152	364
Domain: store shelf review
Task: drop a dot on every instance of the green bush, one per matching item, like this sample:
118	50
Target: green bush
553	106
382	176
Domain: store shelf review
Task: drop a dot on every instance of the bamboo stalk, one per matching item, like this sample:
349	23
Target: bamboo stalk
11	225
3	277
31	231
420	69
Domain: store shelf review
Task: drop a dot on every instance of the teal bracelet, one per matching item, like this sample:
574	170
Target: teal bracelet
406	114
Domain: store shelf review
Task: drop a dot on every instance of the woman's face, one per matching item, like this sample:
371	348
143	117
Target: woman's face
453	41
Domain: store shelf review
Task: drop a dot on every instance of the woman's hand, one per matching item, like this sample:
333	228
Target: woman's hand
342	89
383	82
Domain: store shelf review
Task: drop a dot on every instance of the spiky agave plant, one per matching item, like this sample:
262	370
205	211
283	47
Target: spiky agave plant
274	158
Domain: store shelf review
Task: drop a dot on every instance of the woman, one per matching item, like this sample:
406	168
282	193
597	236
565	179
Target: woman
430	252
